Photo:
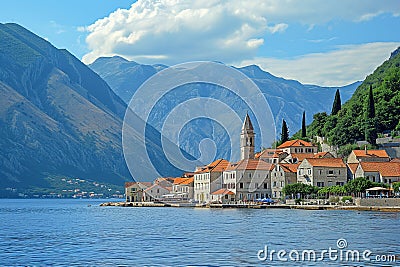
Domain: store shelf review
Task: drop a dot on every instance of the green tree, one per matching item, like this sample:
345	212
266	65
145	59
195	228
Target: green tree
396	187
303	126
370	127
317	126
358	185
285	132
299	188
337	103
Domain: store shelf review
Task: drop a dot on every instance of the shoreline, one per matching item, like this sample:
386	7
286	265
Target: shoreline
252	206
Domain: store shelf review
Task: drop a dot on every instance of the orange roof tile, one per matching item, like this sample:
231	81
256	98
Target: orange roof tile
296	143
269	153
386	169
179	180
352	167
223	191
187	181
395	160
322	155
326	162
218	165
250	164
302	156
289	167
371	153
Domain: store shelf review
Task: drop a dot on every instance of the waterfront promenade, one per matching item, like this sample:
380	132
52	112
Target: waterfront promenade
252	206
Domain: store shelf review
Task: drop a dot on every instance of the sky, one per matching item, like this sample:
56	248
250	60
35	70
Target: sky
328	43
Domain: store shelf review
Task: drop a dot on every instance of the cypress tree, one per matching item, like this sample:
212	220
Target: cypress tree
370	127
371	104
337	103
285	132
303	126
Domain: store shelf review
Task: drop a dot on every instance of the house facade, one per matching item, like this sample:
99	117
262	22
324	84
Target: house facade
380	172
322	172
183	188
208	179
154	193
298	146
248	179
134	191
281	175
365	155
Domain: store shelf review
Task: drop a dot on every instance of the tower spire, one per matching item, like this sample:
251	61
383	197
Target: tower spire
247	139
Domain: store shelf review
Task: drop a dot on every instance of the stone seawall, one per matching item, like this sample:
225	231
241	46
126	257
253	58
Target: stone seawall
381	202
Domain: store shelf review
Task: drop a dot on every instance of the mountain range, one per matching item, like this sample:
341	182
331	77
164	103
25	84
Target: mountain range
287	98
59	117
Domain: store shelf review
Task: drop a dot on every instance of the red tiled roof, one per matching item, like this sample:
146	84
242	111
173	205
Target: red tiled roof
155	185
386	169
296	143
179	180
352	167
395	160
302	156
326	162
371	153
269	153
289	167
218	165
223	191
322	155
187	181
250	164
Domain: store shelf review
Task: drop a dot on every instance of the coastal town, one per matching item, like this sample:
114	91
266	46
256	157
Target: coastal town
262	177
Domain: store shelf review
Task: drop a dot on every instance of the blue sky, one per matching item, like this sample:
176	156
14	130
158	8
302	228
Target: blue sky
332	42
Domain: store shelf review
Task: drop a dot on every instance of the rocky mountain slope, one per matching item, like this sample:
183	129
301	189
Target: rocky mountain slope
57	117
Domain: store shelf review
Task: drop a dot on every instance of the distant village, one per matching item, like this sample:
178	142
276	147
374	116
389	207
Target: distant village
262	176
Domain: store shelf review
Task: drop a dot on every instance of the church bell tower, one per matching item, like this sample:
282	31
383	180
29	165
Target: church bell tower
247	139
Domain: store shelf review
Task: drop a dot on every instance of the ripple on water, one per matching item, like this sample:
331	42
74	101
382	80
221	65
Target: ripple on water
69	233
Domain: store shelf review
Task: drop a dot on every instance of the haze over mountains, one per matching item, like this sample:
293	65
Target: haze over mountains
58	117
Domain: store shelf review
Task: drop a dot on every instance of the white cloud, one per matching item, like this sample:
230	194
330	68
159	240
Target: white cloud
339	67
228	31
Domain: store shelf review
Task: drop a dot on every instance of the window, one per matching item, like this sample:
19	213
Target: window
240	185
281	183
256	186
340	183
249	174
240	196
320	172
265	185
274	183
330	172
320	184
309	171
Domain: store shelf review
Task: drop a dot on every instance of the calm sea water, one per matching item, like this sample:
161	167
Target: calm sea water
72	233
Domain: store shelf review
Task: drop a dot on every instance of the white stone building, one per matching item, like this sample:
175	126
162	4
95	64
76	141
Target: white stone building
322	172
